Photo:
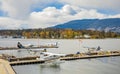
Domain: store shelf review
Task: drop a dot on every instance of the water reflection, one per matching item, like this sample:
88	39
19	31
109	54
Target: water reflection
51	69
107	59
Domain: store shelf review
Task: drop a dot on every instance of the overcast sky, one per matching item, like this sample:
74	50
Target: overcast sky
22	14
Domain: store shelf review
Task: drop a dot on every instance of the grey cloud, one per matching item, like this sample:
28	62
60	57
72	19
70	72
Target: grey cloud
112	5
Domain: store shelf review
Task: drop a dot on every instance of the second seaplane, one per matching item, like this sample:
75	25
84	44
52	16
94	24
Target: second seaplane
51	58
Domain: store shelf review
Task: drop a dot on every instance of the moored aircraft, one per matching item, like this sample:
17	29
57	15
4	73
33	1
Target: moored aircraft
52	58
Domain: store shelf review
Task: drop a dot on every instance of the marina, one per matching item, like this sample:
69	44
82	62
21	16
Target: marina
59	37
34	59
6	65
18	60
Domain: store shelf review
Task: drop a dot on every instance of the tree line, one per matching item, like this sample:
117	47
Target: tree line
59	33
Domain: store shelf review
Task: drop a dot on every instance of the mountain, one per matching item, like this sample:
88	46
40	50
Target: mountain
111	24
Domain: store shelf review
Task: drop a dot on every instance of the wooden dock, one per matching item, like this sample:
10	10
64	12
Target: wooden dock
5	67
24	58
21	60
99	54
26	62
6	64
35	59
84	56
16	48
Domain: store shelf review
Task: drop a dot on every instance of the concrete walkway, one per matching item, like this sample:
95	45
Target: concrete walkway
5	67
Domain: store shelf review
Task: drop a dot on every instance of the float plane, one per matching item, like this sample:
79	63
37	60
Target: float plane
52	58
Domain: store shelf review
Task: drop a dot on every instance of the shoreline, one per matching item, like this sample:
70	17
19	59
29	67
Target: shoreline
60	38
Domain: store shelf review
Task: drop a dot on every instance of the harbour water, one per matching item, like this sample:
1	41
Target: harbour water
110	65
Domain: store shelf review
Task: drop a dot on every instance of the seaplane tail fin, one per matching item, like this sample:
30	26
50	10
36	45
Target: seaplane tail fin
19	45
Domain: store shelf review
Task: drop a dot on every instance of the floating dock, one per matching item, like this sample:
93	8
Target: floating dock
24	58
6	64
35	59
16	48
91	55
21	61
26	62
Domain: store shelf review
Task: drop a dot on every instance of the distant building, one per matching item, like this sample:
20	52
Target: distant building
86	36
17	36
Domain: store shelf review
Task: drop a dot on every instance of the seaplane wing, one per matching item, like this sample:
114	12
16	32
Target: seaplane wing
29	46
52	54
